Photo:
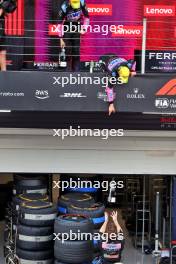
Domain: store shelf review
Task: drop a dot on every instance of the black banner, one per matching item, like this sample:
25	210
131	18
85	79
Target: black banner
45	91
160	61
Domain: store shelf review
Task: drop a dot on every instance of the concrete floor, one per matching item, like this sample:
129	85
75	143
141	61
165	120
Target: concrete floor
132	255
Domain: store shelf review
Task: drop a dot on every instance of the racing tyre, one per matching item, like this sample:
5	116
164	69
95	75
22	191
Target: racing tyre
76	223
95	212
35	257
34	238
81	200
38	213
76	252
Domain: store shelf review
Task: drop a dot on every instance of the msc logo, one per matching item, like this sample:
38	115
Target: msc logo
162	103
41	94
168	89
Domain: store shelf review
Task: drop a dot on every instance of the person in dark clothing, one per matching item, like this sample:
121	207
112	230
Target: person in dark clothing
2	41
6	7
119	68
73	14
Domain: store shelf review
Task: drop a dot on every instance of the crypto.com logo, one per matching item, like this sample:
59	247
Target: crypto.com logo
169	89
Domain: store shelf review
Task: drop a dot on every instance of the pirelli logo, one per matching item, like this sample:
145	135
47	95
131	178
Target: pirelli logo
169	89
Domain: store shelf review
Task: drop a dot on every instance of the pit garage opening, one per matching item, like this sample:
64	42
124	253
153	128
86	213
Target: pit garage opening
145	205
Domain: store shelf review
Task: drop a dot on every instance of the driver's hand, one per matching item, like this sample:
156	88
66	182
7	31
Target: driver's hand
114	216
111	109
62	43
133	74
1	11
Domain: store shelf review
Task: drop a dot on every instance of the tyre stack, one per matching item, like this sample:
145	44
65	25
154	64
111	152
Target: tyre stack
96	213
78	250
30	183
77	199
83	201
83	204
34	239
27	187
20	199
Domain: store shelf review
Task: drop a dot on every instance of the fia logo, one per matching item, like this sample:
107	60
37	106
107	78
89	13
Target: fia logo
162	103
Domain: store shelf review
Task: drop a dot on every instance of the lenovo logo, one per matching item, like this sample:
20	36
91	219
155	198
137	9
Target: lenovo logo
159	10
128	31
100	9
168	89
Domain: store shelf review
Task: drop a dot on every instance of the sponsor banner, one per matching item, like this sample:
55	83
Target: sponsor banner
128	31
159	10
99	9
49	91
160	61
152	93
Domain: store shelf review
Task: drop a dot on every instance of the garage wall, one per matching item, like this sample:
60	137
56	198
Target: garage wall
5	178
23	150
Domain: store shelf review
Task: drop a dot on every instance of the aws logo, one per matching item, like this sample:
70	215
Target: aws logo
41	94
169	89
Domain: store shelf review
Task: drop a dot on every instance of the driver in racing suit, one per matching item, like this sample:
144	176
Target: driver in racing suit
73	12
116	67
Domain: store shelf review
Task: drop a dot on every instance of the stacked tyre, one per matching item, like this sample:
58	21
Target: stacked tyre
96	213
77	249
20	199
29	183
34	240
26	187
83	204
77	199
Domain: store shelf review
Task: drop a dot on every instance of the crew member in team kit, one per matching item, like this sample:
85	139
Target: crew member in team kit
6	7
73	13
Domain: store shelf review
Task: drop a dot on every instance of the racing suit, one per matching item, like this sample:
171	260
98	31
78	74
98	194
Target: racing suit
69	16
110	64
